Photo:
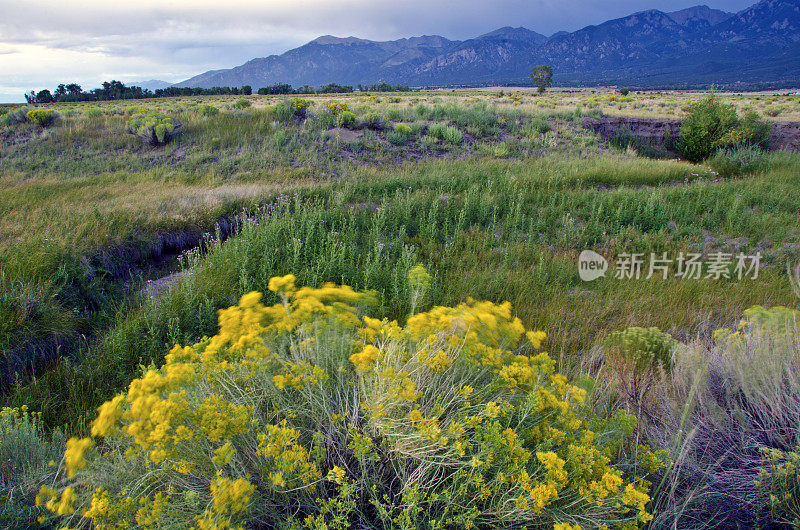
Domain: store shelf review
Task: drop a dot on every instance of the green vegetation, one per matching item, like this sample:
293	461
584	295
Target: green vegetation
26	450
712	125
42	117
542	76
242	103
154	128
451	197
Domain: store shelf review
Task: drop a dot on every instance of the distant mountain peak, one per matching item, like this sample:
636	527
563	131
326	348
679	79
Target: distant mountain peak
702	13
330	39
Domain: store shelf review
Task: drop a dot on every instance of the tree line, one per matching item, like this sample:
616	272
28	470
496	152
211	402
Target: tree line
111	90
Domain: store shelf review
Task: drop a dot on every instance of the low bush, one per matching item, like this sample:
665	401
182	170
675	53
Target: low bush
93	112
396	138
15	117
348	120
447	133
207	110
308	413
42	117
404	129
375	121
337	107
400	135
152	127
394	114
293	108
436	130
242	103
633	362
453	136
539	125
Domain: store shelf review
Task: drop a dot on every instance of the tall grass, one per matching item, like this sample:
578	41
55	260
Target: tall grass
723	410
494	230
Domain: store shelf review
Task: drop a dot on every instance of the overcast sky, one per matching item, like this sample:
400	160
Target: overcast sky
46	42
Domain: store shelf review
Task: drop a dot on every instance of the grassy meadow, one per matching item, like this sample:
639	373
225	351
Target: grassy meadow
113	251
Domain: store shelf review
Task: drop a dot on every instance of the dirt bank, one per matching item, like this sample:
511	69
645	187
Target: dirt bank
660	132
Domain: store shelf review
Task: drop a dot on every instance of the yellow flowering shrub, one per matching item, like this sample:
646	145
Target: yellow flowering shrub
306	412
337	107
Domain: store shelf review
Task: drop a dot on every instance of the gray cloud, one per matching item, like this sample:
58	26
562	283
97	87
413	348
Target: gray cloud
44	42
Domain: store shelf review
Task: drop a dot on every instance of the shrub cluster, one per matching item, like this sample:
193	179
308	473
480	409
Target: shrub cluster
293	108
154	128
348	120
307	413
729	410
446	133
207	110
42	117
242	103
400	135
711	125
15	116
375	121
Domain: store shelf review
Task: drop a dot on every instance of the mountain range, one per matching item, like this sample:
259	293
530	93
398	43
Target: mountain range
691	47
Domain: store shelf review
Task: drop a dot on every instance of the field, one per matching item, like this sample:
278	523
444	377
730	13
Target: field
113	251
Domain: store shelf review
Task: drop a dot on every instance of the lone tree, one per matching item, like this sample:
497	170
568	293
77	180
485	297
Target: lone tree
542	75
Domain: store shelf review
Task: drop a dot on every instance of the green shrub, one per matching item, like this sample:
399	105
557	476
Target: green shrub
436	130
242	103
452	135
396	138
404	129
738	161
428	141
307	412
539	125
446	133
394	115
779	480
711	125
93	112
750	132
633	361
348	120
152	127
375	121
207	110
639	349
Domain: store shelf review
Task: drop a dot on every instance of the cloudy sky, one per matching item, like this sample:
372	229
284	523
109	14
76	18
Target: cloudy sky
45	42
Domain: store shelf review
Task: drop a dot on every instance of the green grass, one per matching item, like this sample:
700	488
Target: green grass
497	230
